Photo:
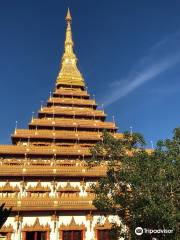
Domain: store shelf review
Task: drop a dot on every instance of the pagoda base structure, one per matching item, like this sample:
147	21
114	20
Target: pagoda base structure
44	177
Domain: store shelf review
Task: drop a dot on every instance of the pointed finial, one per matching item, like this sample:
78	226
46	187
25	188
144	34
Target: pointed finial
68	16
152	144
131	130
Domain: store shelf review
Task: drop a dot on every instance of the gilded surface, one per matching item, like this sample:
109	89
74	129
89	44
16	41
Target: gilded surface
69	73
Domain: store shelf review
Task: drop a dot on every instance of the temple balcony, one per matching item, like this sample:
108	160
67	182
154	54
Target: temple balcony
48	203
20	168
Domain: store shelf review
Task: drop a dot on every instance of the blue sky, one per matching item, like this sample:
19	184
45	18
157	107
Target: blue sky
128	51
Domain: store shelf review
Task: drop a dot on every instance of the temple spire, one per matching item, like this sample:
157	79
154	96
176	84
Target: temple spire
69	73
68	16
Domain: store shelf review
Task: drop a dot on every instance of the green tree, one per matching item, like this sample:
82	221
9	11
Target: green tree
4	214
141	186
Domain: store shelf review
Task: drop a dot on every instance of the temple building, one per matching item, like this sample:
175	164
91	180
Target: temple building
43	174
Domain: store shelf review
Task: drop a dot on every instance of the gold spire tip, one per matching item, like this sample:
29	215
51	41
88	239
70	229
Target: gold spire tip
68	16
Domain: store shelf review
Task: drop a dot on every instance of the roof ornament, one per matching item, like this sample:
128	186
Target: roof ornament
131	130
42	104
152	144
68	16
15	130
32	119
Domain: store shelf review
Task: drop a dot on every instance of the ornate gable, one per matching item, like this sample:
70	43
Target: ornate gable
72	226
36	227
38	188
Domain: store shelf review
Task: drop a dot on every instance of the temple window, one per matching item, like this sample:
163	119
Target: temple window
36	231
103	234
36	235
72	235
72	231
102	231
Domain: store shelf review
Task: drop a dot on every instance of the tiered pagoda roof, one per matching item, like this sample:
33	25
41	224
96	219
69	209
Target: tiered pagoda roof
63	132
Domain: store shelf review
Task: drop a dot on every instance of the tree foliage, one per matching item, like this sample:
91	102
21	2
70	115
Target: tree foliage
141	186
4	214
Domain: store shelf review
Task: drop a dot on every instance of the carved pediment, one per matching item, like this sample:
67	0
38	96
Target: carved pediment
105	225
68	188
38	188
72	226
36	227
89	190
7	229
8	188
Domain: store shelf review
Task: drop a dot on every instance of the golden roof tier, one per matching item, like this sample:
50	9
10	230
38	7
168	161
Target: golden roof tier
67	123
33	134
72	102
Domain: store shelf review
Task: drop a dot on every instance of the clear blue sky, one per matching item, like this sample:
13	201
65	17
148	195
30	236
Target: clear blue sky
128	51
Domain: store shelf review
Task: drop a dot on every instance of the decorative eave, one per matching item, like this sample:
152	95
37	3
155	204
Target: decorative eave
27	134
72	111
73	123
34	204
71	92
45	150
51	134
74	101
51	169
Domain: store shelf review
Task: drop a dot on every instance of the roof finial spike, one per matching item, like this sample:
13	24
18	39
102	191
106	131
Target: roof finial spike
68	16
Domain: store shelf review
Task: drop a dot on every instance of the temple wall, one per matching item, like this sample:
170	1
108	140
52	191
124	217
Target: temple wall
56	225
34	220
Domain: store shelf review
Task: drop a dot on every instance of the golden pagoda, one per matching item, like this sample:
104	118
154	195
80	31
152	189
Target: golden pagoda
43	174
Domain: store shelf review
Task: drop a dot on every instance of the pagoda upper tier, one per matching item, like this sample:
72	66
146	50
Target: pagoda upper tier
70	122
69	73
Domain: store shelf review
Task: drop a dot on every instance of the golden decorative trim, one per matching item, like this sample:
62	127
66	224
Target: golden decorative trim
47	203
105	225
39	188
68	188
7	229
89	190
46	170
73	111
36	227
76	123
73	101
8	188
